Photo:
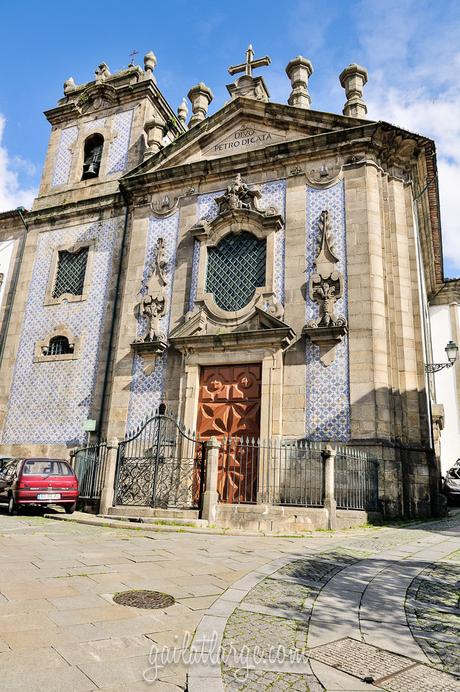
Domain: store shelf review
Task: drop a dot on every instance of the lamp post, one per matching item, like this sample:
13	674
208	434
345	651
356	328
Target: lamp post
452	353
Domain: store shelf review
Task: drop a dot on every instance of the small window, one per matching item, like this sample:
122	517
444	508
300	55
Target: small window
59	346
92	156
70	274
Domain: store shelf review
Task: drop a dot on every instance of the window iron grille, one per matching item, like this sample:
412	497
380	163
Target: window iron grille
59	345
70	275
236	267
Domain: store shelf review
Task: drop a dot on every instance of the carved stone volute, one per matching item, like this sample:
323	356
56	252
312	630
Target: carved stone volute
153	306
325	288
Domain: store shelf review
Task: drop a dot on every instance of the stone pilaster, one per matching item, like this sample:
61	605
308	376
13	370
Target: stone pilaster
294	312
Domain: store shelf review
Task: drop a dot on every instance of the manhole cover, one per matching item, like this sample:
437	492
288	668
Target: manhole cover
144	599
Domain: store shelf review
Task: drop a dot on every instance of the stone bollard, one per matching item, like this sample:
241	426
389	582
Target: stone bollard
210	496
108	489
330	504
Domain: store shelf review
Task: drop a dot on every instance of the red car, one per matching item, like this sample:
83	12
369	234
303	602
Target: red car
38	482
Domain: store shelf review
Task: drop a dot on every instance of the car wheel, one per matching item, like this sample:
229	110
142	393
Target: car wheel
12	506
70	509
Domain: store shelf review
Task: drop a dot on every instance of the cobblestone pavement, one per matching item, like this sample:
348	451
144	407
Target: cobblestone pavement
376	611
59	628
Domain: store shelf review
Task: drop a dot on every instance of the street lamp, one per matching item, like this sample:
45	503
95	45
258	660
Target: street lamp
452	352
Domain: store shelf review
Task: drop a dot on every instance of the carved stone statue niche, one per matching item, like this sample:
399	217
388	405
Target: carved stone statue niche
325	288
153	305
238	196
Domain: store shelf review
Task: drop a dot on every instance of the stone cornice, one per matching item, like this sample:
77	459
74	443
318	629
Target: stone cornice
282	153
448	293
54	215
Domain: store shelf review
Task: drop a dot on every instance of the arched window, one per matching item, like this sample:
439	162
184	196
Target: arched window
236	267
58	346
92	156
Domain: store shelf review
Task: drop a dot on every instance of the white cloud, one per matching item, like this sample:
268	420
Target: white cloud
12	193
413	60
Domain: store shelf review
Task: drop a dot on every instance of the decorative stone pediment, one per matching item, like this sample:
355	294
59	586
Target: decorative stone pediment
97	97
201	333
244	137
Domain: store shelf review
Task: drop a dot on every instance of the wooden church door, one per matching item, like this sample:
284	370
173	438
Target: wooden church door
229	409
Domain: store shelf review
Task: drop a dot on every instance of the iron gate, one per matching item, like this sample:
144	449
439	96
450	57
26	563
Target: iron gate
89	465
160	465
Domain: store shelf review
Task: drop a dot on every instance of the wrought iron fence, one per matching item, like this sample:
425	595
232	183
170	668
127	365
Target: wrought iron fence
278	472
356	479
89	465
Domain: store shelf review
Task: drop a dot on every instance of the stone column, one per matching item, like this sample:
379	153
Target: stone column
108	490
330	504
299	70
353	78
211	497
200	97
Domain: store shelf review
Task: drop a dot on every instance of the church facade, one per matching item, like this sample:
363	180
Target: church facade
264	270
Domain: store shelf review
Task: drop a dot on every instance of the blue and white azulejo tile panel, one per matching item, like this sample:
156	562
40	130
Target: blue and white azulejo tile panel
119	146
49	402
64	155
147	390
327	388
273	194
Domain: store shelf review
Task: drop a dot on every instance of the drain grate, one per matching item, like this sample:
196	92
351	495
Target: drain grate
144	599
385	669
359	659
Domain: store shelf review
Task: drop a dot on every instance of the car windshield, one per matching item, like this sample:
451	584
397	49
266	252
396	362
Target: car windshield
46	467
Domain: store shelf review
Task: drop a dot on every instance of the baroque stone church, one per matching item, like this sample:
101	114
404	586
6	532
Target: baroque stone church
263	270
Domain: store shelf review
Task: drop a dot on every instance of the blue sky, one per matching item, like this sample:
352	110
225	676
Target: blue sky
410	47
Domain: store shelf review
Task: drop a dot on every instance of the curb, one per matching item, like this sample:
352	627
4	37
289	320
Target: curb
165	528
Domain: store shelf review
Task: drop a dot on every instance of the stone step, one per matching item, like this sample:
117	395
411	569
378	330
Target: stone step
157	512
157	521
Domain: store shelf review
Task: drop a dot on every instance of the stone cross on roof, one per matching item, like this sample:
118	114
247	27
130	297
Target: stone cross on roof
250	63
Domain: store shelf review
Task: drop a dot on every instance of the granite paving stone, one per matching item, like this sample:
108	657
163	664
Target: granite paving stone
54	575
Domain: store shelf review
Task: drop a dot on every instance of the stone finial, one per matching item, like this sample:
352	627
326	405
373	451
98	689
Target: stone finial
353	78
200	97
299	70
102	72
69	85
182	111
154	129
150	61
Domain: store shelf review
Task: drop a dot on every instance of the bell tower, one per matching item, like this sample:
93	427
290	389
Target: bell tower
100	130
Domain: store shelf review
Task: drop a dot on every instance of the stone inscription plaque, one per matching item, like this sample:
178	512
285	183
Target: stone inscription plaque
245	138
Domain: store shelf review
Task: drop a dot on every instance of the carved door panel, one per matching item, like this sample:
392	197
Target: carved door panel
229	409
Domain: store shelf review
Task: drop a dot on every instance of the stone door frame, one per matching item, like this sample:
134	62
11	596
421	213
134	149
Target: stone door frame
271	386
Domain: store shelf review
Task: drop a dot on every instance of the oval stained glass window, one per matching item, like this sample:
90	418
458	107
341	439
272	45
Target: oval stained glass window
236	267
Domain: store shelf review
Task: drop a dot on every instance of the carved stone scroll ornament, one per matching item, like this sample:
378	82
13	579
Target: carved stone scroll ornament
325	288
152	307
